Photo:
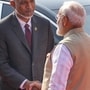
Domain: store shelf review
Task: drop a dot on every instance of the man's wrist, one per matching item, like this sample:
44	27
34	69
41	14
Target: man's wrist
27	84
22	84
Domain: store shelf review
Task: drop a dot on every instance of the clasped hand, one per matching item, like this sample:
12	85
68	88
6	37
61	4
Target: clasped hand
32	85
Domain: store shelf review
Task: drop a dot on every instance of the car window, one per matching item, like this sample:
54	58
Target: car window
87	23
6	10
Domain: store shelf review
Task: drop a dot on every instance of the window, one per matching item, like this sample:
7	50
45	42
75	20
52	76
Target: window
7	9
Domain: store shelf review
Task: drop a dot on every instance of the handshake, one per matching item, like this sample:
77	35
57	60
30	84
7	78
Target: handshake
32	85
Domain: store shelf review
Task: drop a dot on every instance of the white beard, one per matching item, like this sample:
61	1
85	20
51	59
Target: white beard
59	30
21	15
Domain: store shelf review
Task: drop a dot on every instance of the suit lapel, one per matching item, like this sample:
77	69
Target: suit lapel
35	34
18	31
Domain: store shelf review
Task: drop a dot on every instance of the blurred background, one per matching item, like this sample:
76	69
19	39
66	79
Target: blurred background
48	10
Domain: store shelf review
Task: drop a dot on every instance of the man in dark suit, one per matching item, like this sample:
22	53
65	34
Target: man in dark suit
21	64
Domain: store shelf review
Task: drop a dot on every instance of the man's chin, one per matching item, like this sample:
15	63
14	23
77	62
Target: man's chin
27	17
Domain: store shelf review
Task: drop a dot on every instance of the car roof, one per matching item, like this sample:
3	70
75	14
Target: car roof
55	4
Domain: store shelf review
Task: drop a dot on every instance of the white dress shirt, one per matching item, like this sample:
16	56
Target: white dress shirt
22	24
61	64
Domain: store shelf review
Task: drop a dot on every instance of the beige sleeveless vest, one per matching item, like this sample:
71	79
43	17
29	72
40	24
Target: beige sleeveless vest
78	42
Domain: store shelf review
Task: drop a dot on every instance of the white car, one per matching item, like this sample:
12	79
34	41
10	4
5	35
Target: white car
54	5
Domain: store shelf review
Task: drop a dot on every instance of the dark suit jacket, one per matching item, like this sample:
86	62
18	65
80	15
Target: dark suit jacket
17	61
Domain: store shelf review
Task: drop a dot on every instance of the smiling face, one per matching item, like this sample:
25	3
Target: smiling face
24	8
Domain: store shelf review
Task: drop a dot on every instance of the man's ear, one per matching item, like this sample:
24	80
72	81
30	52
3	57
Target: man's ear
65	21
12	3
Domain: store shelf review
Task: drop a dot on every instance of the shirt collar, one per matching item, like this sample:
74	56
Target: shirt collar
22	23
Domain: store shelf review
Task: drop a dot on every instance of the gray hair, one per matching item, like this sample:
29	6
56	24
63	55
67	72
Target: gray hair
75	12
